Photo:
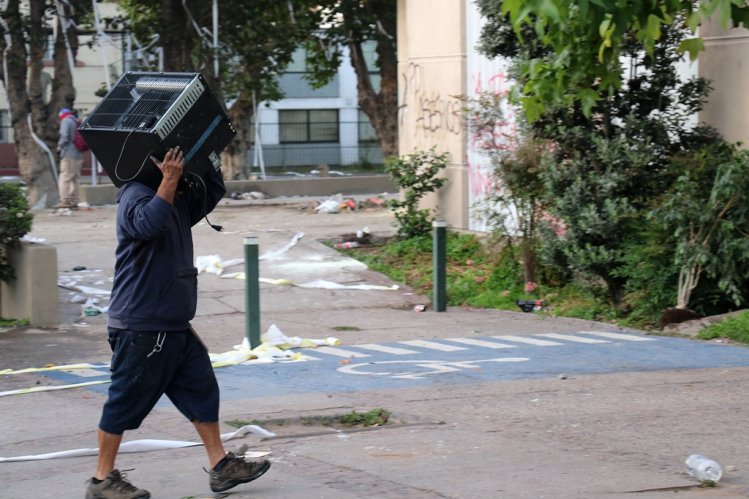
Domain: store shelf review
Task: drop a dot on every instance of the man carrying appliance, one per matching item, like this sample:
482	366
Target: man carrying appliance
155	350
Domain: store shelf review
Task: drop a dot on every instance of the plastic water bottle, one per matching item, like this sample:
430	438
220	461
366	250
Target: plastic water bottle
703	468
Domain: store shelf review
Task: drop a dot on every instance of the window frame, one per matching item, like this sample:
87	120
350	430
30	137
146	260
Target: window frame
307	123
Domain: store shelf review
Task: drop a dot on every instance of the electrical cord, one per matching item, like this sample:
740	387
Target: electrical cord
217	228
119	158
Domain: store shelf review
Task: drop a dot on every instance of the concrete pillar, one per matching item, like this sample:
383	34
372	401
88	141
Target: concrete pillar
33	295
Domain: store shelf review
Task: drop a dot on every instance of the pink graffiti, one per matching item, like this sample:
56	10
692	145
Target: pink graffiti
480	180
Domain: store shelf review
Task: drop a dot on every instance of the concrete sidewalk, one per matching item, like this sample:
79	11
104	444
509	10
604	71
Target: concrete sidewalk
596	436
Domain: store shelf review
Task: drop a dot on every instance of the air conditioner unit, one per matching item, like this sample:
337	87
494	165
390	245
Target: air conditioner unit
146	114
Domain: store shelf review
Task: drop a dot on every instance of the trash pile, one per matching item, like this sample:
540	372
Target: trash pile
255	195
338	204
361	237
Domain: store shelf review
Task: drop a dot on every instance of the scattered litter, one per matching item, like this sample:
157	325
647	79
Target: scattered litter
275	337
144	445
347	245
67	367
34	389
268	255
420	308
331	205
320	283
703	469
91	308
214	264
562	376
248	195
79	268
349	204
32	239
76	298
355	239
530	305
374	202
72	284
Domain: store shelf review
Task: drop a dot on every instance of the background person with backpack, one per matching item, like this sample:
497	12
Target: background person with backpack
71	150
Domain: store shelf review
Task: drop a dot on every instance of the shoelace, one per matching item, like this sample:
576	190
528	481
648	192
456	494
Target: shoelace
120	482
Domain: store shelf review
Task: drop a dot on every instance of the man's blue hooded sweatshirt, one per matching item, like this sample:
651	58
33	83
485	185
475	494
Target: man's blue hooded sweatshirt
155	280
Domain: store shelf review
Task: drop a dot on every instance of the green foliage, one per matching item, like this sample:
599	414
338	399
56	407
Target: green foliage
577	46
735	328
374	417
650	274
484	274
597	194
15	222
708	213
349	24
513	205
415	175
13	322
257	40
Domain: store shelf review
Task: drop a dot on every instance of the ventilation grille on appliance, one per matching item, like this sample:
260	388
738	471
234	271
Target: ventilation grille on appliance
144	101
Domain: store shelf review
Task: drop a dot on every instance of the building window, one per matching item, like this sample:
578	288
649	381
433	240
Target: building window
4	127
298	62
308	125
366	130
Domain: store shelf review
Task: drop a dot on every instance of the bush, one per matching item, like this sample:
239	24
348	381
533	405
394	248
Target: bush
15	222
416	175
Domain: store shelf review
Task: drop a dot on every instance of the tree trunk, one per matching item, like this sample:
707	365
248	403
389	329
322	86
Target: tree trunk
382	107
177	36
63	90
528	251
234	158
33	163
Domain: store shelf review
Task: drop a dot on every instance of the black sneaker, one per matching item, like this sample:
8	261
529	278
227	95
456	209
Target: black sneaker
115	487
233	470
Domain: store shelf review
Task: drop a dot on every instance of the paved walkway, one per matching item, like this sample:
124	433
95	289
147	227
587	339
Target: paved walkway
564	425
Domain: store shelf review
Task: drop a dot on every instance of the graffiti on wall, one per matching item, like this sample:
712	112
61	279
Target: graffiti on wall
500	137
429	111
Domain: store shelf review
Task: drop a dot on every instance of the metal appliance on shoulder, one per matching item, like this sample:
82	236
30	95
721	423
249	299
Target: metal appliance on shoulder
147	113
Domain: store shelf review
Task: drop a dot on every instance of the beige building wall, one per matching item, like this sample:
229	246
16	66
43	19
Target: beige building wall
432	77
725	62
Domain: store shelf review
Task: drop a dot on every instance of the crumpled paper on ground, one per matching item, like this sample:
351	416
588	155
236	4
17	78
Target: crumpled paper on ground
275	337
214	264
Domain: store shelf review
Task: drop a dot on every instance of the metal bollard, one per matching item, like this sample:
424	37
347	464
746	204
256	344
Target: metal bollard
439	259
252	291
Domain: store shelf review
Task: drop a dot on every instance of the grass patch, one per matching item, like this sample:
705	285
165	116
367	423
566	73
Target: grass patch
13	322
735	328
345	328
481	274
373	417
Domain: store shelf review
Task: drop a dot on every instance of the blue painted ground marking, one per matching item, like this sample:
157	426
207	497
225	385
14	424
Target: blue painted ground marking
413	365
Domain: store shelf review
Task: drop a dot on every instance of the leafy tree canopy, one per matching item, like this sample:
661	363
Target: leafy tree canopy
585	38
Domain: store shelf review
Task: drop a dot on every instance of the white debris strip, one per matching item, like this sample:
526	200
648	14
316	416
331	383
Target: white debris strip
144	445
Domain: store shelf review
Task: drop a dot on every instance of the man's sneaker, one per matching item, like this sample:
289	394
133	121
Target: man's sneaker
115	487
233	470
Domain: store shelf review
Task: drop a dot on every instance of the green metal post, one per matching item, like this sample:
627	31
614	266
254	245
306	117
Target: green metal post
252	291
439	250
